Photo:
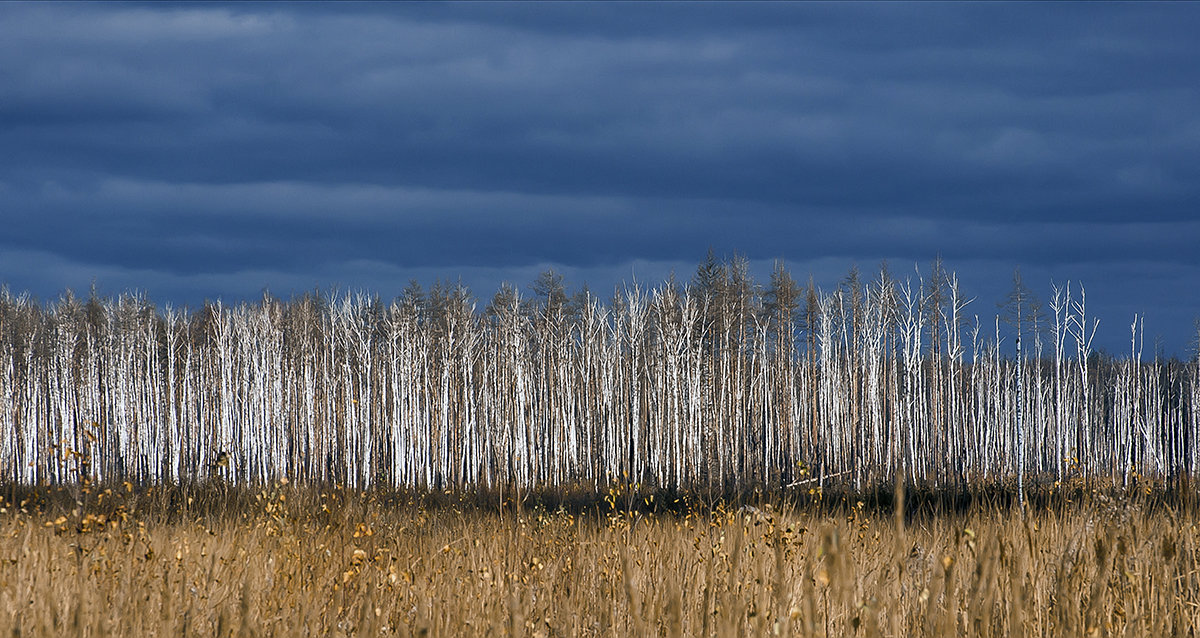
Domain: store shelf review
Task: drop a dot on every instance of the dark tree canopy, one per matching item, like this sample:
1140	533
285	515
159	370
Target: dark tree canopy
1021	310
550	292
780	303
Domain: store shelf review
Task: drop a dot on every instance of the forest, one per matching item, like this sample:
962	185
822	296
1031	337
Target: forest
716	383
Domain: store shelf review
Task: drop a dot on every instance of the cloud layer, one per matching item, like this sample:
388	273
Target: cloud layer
202	150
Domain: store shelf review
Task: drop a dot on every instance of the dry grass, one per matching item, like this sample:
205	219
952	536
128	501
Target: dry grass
286	561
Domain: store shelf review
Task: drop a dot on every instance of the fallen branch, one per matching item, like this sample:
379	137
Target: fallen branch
817	478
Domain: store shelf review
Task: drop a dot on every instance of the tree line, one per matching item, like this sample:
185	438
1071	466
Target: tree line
714	383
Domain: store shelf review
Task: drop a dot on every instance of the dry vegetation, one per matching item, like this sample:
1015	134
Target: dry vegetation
292	561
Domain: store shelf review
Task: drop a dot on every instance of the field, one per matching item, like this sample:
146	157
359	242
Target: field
298	561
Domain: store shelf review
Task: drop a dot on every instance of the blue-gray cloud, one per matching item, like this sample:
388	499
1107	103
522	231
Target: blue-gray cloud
199	150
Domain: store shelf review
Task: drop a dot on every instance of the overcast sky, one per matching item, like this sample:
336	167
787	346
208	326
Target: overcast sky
202	151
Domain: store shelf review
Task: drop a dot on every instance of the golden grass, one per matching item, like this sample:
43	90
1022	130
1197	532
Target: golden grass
284	561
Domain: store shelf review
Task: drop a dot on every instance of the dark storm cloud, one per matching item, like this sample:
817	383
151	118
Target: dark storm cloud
197	150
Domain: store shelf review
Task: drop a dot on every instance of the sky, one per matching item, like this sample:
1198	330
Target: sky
204	151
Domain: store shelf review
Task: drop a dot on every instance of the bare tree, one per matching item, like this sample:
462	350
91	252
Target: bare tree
1022	311
717	384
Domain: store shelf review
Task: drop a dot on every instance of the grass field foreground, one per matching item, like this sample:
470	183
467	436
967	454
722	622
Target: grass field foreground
284	561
